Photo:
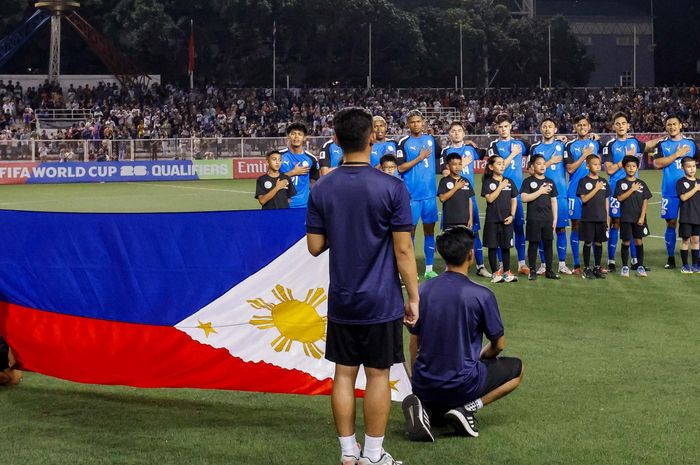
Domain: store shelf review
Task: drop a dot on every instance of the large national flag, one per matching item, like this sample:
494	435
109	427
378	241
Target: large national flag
222	300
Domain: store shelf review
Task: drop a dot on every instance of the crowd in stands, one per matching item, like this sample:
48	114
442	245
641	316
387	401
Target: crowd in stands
166	111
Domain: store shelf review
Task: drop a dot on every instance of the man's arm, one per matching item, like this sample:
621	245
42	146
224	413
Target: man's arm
663	162
493	348
406	262
413	346
407	165
316	243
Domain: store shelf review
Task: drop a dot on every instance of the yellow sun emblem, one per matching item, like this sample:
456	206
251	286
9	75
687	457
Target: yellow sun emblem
296	321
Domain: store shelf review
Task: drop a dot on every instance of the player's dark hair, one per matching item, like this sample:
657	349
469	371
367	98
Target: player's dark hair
353	127
413	113
686	160
454	244
488	169
297	127
621	114
673	116
591	157
271	153
630	158
551	120
452	156
388	158
502	118
534	158
455	123
578	118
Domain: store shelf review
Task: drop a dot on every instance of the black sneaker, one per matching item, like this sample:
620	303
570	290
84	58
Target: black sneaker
587	273
611	267
463	421
599	274
549	274
533	275
417	420
670	263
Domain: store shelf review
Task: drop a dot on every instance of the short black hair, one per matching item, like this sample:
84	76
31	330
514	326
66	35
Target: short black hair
297	127
592	157
454	244
551	120
630	158
353	127
581	117
271	153
413	113
686	160
533	159
673	116
452	156
621	114
456	123
388	158
502	118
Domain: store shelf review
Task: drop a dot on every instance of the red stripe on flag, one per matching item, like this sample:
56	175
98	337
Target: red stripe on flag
94	351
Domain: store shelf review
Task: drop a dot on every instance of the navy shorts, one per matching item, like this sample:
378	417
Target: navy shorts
378	345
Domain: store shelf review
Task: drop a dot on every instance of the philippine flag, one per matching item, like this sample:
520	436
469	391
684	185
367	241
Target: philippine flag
220	300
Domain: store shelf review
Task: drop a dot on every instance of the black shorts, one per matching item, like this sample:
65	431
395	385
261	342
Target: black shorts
589	231
4	355
629	231
685	230
498	235
377	345
536	231
499	371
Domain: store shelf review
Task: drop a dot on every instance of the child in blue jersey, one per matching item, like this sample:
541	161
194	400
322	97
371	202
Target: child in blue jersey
417	154
453	375
388	165
329	157
512	151
299	164
381	146
623	144
501	195
669	155
553	153
469	154
575	154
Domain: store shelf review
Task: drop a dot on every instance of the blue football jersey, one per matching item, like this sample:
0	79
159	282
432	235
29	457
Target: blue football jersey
463	151
420	180
379	149
614	151
572	153
556	171
503	148
302	183
330	155
673	172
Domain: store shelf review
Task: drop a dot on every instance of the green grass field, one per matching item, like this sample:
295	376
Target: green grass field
611	374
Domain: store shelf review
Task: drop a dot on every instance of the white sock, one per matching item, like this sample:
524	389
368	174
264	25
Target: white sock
611	261
428	268
474	405
349	446
562	263
373	448
521	263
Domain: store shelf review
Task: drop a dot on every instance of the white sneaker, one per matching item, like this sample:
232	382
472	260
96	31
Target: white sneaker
563	269
385	459
542	269
483	272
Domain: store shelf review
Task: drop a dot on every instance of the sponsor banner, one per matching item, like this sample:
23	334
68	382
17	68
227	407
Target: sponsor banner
249	167
77	172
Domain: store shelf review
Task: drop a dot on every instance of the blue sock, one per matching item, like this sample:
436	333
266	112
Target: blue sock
478	250
633	250
614	233
670	237
575	248
561	245
520	241
541	249
429	250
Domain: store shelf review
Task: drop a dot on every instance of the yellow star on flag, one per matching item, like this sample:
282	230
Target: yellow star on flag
392	385
206	327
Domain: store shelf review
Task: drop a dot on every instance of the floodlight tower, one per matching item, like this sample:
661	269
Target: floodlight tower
57	8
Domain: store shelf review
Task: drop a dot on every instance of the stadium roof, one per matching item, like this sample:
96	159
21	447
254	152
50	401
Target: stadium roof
598	8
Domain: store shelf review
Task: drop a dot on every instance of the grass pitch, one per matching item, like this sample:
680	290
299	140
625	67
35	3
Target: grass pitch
611	374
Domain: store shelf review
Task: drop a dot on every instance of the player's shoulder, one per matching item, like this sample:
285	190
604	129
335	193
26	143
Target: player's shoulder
610	142
403	140
535	144
310	155
328	143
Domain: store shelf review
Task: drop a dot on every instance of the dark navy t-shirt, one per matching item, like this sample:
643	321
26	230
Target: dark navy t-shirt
357	208
455	314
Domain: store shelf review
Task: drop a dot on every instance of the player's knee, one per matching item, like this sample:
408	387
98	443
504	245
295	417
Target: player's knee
561	230
671	223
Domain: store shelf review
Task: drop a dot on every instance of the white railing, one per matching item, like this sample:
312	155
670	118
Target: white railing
184	148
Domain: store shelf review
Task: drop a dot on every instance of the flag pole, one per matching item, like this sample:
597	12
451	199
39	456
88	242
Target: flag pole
191	54
274	58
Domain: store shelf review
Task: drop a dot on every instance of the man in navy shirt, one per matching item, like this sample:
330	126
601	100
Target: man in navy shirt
453	376
363	217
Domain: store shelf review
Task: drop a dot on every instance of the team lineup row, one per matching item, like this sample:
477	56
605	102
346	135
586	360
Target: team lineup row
418	158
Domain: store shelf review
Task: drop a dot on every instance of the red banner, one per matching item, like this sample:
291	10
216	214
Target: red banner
249	168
